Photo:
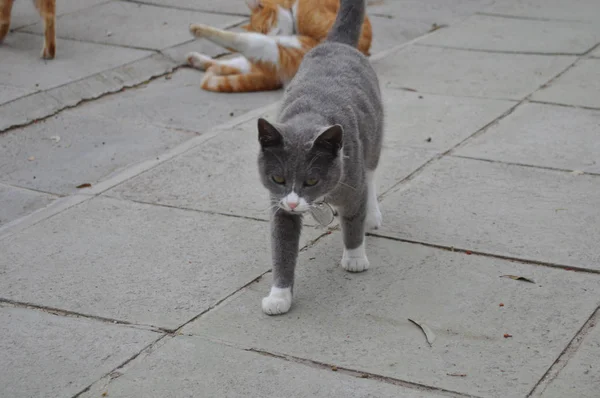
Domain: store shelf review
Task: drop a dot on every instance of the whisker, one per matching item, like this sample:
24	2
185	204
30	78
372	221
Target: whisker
346	185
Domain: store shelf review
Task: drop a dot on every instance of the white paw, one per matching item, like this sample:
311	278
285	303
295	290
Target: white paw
197	30
355	260
198	61
374	218
278	302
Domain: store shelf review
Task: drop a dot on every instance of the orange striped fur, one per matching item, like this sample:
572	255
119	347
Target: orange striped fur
47	10
272	51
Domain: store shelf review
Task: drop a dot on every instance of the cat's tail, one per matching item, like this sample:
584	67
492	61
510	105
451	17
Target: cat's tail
348	23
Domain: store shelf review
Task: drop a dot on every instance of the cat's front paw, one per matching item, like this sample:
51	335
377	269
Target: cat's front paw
355	260
278	301
373	220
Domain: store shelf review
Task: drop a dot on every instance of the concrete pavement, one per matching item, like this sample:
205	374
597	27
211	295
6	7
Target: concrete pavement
147	283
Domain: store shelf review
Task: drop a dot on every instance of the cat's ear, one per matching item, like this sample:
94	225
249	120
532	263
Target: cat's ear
268	135
330	139
253	4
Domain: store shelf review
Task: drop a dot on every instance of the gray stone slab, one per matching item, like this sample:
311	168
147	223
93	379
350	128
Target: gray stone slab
141	263
17	202
9	93
177	102
542	135
469	73
596	52
580	377
133	25
90	150
192	366
360	321
23	68
44	355
483	32
24	12
235	7
577	10
391	32
579	86
431	11
30	108
508	210
412	119
221	175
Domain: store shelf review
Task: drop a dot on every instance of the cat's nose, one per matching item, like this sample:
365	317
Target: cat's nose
292	205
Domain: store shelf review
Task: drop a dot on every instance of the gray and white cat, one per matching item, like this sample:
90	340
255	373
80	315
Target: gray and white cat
324	146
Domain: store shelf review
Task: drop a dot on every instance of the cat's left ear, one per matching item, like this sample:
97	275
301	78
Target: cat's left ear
330	139
268	135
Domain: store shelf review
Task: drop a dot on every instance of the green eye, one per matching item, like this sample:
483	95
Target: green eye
310	182
278	179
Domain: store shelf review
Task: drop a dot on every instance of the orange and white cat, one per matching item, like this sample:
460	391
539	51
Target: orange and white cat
47	10
280	32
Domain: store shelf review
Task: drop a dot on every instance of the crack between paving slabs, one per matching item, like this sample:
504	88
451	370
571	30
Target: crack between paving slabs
509	52
490	255
563	358
531	166
340	369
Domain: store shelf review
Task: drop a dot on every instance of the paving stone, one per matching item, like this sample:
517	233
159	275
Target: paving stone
195	365
507	210
177	102
483	32
44	355
579	86
22	67
413	118
596	52
213	179
90	149
580	377
18	202
391	32
235	7
577	10
9	93
43	104
134	25
534	134
469	73
141	263
431	11
25	13
360	321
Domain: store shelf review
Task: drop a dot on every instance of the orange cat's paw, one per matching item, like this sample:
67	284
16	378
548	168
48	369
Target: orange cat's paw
198	61
48	52
198	30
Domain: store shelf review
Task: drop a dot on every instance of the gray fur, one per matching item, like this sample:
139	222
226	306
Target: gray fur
334	87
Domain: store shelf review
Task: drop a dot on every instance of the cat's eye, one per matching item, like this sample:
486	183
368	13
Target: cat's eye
310	182
278	179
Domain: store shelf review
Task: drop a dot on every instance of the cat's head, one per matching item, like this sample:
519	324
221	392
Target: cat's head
299	173
270	17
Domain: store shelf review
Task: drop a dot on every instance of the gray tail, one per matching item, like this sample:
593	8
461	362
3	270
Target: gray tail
348	23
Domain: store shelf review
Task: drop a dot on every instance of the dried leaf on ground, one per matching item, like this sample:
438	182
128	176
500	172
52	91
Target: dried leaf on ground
506	335
429	335
334	368
86	185
31	158
518	278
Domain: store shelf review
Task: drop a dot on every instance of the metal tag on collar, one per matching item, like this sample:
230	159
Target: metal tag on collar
322	213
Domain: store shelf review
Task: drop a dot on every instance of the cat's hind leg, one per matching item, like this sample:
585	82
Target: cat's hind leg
240	83
374	218
232	66
5	11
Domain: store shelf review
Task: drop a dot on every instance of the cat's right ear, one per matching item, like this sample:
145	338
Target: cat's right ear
268	135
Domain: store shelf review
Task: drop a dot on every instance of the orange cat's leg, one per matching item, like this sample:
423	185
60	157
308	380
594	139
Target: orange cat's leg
47	9
5	10
231	66
242	83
